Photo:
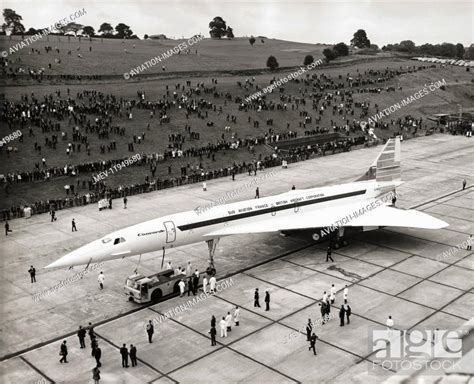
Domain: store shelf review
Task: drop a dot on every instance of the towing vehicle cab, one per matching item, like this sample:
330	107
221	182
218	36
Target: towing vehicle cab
142	289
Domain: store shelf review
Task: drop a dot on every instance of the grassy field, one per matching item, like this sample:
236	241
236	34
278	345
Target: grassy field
121	56
217	55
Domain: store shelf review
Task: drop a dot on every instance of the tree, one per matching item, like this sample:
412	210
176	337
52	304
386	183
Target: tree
106	29
217	27
406	46
360	39
341	49
145	36
470	52
308	59
32	31
272	63
71	27
88	31
252	40
460	51
329	54
230	33
123	31
12	22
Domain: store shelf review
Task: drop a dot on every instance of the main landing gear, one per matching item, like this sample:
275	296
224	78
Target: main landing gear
211	245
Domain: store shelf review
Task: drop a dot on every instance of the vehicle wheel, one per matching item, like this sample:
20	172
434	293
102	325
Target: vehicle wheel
156	295
130	298
176	287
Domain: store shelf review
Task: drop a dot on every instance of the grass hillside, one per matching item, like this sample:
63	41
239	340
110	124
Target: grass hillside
121	56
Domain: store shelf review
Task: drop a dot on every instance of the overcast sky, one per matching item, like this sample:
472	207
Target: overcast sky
305	21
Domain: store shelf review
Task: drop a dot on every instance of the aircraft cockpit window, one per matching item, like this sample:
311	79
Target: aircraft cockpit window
119	240
106	240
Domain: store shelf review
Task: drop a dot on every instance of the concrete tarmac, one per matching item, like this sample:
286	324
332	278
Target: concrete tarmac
398	272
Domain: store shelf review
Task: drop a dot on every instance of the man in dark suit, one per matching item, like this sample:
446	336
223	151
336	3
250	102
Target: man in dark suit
97	355
342	314
195	284
190	286
91	331
267	301
81	334
150	330
133	355
32	272
328	254
124	353
312	342
309	329
63	352
256	298
213	333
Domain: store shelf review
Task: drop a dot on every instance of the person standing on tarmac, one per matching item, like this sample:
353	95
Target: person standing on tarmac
150	330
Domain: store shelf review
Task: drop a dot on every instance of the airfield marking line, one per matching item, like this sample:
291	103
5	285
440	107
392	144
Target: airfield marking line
435	282
443	196
272	322
408	274
143	362
380	291
411	254
432	314
223	346
454	206
142	307
297	329
442	308
36	369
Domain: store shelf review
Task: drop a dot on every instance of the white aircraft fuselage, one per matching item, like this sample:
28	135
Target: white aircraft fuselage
192	227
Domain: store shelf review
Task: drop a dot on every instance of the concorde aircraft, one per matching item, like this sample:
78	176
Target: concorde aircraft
361	204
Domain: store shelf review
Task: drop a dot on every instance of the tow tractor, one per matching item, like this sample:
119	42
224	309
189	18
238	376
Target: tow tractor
143	289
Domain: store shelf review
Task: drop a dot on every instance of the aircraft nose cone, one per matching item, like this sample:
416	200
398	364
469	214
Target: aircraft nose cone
81	256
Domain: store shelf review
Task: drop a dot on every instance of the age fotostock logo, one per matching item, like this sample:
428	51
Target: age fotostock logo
433	350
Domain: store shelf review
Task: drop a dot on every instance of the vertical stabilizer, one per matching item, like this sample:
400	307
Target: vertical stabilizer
386	166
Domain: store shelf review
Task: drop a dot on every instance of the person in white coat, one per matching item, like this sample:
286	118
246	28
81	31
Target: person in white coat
101	279
204	284
212	283
346	292
223	326
228	321
325	296
237	316
181	285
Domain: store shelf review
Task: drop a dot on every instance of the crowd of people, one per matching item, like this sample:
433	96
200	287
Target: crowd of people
74	123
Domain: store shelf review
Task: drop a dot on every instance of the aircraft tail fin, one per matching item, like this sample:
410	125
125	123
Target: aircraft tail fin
386	166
